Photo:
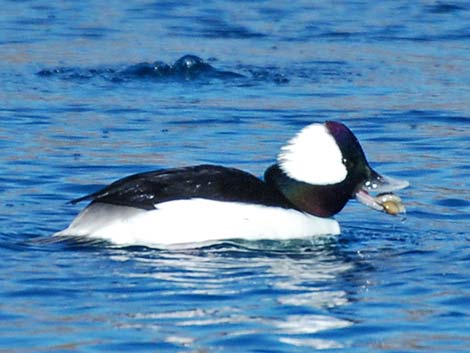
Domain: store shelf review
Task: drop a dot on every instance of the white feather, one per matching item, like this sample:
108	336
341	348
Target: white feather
313	156
195	220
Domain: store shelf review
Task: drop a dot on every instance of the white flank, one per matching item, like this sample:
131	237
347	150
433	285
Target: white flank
312	156
195	220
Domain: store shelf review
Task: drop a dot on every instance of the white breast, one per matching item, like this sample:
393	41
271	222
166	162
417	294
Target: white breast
195	220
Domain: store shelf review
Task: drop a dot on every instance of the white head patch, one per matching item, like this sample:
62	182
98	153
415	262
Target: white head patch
312	156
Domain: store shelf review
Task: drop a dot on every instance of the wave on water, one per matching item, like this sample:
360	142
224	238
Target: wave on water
186	68
238	246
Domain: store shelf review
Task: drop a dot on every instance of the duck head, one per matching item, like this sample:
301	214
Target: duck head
321	168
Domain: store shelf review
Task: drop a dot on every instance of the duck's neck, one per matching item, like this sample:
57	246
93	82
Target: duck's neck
318	200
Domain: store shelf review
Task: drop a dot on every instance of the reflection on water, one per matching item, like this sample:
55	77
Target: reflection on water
224	294
272	277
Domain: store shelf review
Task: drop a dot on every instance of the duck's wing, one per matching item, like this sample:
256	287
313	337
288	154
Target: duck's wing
147	190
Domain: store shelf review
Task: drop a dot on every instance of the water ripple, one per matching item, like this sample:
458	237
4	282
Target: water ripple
188	67
108	100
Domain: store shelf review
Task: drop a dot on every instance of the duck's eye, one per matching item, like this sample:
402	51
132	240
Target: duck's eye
348	163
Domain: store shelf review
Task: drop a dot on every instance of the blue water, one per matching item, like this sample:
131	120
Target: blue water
93	90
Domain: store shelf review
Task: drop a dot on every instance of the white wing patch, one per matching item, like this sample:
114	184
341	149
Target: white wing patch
312	156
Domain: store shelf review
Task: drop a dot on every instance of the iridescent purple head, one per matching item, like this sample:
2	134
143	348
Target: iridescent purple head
324	166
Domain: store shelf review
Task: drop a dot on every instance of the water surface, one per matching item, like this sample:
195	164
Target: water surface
91	91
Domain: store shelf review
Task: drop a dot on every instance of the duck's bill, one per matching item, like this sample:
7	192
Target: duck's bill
383	187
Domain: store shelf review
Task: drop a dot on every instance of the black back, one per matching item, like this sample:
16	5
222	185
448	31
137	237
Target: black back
147	190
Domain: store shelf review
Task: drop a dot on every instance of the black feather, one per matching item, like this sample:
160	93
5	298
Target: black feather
147	190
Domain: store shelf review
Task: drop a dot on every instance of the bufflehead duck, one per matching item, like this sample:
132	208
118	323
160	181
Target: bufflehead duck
316	173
